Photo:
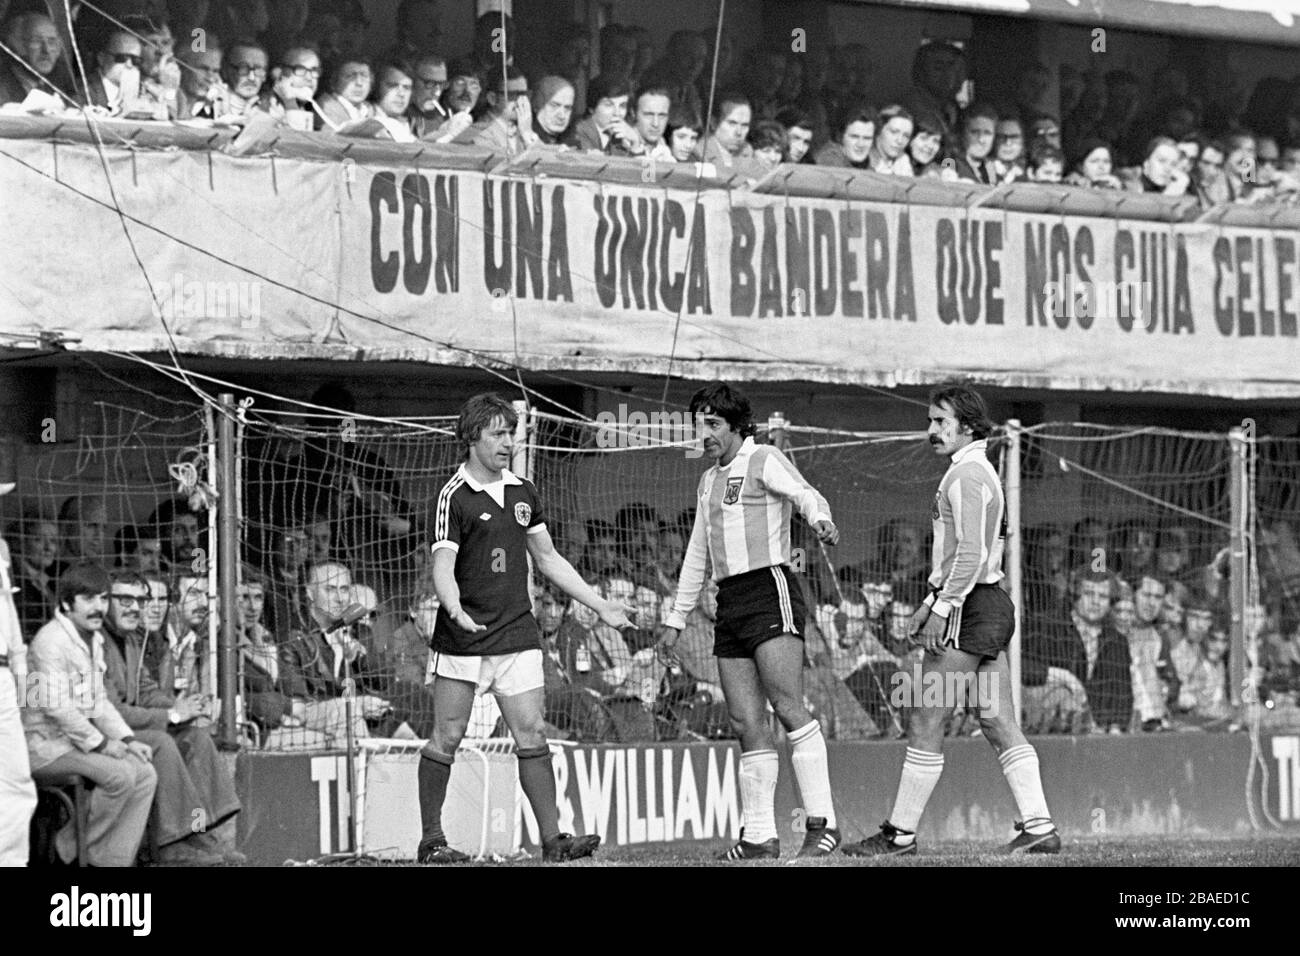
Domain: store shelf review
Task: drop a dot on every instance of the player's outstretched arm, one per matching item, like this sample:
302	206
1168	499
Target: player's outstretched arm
556	569
444	583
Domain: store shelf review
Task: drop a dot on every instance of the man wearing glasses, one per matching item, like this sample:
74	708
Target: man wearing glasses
293	86
195	792
115	86
427	113
244	71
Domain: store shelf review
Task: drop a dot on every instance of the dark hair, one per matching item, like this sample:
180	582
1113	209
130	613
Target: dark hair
894	111
254	577
83	579
1155	142
859	112
478	413
128	576
719	398
164	516
336	73
606	87
986	110
631	514
1086	573
1041	153
464	66
792	116
967	406
1086	148
128	538
654	89
768	133
683	116
925	121
401	65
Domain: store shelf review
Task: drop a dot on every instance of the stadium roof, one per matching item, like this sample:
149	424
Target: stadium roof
1261	21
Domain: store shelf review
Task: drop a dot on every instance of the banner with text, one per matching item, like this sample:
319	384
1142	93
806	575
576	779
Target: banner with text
261	258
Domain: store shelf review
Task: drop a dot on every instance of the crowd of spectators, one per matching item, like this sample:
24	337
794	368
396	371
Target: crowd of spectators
308	65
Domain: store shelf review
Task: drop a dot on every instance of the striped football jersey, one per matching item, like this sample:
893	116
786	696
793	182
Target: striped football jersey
969	518
742	520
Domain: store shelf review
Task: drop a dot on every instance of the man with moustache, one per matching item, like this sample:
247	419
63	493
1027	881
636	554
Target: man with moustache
72	727
195	793
965	624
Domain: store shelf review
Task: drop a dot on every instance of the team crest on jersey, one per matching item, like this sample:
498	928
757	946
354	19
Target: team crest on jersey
732	494
934	511
523	513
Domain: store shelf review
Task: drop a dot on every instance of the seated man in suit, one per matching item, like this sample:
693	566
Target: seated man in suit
312	662
72	727
116	84
195	791
507	126
34	37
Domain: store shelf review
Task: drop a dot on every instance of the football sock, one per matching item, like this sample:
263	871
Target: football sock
758	770
538	782
808	754
921	771
432	775
1020	767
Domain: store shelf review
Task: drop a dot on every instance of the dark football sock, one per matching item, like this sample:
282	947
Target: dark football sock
538	781
433	774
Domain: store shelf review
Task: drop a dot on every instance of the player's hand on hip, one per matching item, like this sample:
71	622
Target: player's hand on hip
617	614
666	649
827	533
932	633
466	623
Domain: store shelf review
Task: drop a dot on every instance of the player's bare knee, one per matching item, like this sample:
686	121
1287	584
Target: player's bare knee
447	735
791	712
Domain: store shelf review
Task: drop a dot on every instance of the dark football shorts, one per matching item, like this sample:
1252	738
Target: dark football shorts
984	623
755	607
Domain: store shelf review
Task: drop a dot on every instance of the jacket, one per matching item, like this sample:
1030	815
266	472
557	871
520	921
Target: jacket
307	668
130	686
67	706
1109	687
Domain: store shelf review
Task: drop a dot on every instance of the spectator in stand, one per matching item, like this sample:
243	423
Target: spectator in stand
312	661
1009	150
902	553
400	664
799	130
1172	632
938	74
203	92
1189	151
348	100
1208	685
1174	557
684	131
155	618
392	96
685	61
259	658
1186	653
287	579
36	39
1149	655
243	69
1123	608
1274	184
1208	178
293	87
1092	167
182	532
84	525
428	117
183	666
507	126
605	129
464	88
1047	593
36	573
1240	170
1090	543
552	109
1159	172
1046	163
888	154
854	136
1085	653
732	118
925	148
573	689
160	74
653	106
973	162
767	140
138	548
115	85
419	30
1137	550
194	789
72	728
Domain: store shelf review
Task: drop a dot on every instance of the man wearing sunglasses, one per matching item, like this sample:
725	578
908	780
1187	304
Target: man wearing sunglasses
195	792
116	81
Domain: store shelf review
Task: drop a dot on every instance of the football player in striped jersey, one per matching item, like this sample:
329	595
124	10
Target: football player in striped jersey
965	625
742	526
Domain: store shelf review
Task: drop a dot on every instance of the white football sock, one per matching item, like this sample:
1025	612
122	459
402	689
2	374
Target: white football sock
1020	767
808	754
921	772
758	770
